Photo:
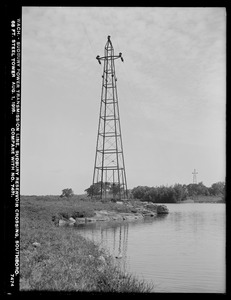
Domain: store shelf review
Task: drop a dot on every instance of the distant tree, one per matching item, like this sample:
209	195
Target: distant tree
139	192
202	189
192	189
67	193
218	188
166	194
180	192
197	189
115	189
93	190
151	194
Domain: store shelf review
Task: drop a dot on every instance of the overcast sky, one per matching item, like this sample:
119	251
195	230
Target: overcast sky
171	92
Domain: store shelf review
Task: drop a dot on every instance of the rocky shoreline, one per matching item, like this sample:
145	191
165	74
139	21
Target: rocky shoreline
137	212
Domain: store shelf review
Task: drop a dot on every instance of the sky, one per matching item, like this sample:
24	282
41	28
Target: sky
171	92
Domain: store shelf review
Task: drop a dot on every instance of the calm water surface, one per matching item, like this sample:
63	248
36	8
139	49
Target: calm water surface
183	251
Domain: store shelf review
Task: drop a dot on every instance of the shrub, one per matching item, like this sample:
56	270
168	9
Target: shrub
67	193
83	213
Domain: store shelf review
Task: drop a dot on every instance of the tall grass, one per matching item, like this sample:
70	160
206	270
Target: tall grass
62	260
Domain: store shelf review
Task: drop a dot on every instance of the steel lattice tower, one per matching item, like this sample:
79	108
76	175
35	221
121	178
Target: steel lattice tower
195	176
109	169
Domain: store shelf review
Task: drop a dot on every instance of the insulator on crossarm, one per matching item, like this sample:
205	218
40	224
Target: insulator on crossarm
98	58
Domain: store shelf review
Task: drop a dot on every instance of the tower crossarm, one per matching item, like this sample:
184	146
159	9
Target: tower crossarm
109	57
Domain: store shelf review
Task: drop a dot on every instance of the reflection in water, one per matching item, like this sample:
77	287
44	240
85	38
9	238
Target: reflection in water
111	236
183	251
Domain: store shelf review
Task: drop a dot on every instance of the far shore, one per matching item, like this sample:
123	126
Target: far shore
204	199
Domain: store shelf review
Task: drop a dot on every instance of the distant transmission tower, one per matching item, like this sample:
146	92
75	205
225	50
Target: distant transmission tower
194	176
109	177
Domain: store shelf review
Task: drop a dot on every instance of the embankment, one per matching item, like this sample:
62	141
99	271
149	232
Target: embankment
53	258
127	211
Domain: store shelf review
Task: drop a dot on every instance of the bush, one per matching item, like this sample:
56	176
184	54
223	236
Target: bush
83	214
67	193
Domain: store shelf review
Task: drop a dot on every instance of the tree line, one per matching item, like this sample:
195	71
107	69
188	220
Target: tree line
177	192
159	194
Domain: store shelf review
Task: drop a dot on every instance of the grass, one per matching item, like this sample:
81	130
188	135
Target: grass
207	199
63	260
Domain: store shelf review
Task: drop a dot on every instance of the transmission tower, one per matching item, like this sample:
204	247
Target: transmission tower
109	175
194	176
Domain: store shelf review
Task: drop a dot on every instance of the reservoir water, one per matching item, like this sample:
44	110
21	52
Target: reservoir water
182	252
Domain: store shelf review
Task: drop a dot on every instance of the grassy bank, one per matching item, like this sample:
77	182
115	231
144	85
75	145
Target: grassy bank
207	199
58	259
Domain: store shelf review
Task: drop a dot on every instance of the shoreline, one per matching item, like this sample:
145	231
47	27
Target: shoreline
56	258
136	212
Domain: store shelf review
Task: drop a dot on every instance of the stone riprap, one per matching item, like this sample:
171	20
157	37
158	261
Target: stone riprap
138	212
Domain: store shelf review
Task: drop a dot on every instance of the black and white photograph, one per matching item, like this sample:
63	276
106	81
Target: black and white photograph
122	149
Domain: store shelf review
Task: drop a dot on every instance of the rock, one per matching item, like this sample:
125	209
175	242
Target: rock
80	220
148	213
131	218
124	216
119	202
138	216
102	218
36	244
139	209
62	222
72	220
162	209
151	206
71	223
128	216
101	212
92	220
117	218
102	215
